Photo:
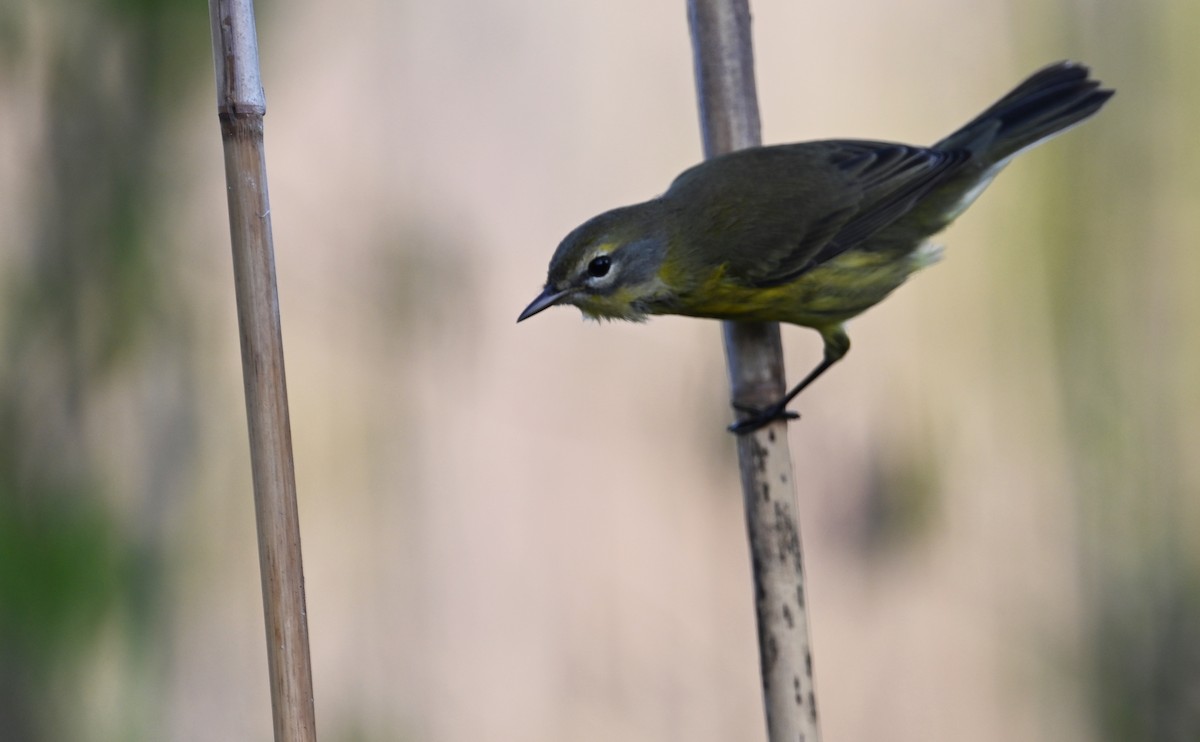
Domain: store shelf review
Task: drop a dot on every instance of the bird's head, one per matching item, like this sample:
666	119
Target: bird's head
609	266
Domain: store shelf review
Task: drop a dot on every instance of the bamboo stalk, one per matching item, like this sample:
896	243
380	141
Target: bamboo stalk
240	107
724	67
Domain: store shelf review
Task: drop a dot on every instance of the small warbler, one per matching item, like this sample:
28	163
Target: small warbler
811	233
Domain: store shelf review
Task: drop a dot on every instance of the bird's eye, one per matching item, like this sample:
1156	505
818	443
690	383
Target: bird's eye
599	266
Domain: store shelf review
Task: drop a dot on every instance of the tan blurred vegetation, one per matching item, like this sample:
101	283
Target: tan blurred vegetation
534	533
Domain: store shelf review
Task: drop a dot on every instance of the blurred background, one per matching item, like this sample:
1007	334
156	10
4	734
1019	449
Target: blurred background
534	532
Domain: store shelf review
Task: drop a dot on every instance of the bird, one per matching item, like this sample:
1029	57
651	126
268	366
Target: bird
811	233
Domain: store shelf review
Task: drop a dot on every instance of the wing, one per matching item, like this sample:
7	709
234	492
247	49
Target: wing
775	212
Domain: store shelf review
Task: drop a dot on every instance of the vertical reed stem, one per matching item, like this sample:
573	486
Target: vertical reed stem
240	107
724	64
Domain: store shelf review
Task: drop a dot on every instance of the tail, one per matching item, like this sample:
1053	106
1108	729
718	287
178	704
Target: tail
1051	101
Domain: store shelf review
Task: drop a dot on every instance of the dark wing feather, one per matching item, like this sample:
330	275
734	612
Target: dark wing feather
890	181
778	211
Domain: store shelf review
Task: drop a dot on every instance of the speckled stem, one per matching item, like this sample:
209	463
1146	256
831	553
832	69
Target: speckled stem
724	64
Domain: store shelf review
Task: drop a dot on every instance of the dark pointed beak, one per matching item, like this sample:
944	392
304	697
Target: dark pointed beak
548	298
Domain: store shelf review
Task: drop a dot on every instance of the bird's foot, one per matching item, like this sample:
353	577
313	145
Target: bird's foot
760	418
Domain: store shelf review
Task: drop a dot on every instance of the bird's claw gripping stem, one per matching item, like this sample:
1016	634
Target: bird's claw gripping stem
760	418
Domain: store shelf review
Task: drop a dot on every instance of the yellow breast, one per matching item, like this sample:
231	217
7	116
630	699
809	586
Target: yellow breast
828	294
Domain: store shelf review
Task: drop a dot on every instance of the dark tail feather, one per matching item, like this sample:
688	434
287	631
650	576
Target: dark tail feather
1048	103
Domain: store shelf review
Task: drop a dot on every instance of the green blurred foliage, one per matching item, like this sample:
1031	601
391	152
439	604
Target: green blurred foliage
1122	320
60	568
64	568
1143	676
88	299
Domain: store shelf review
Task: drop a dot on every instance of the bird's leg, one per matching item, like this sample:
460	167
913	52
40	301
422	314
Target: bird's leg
837	343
